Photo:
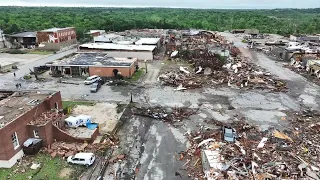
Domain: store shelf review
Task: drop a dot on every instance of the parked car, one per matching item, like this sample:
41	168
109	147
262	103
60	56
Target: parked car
92	79
86	159
229	134
95	87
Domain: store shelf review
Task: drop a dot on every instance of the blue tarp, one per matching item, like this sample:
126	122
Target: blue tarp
91	125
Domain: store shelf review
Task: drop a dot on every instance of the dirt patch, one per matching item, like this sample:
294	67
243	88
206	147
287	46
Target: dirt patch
65	172
105	114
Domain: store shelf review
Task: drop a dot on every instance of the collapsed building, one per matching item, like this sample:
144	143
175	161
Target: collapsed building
30	120
23	39
17	110
214	61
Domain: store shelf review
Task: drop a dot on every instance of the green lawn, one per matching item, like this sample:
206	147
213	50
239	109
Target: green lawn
136	76
71	104
40	52
50	169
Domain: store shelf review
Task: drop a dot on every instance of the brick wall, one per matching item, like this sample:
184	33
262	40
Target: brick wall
45	132
20	126
42	37
66	34
3	152
60	135
108	71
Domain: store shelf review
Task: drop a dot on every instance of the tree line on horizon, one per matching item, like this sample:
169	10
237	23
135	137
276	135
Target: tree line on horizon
278	21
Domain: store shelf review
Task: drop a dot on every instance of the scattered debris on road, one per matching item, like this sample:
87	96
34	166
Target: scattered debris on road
170	115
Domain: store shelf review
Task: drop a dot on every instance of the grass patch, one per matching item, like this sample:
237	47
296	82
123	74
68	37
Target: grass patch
71	104
40	52
137	75
50	169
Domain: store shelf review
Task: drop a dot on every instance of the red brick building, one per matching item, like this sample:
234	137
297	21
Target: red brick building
17	110
56	38
94	63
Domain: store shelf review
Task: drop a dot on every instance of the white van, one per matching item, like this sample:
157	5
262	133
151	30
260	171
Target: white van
92	79
86	159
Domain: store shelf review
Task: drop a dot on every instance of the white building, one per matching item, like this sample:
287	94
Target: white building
149	41
141	52
107	38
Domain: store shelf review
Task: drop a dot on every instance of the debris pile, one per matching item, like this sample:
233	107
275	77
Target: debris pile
164	114
180	79
243	152
46	117
310	69
240	74
216	61
66	149
243	73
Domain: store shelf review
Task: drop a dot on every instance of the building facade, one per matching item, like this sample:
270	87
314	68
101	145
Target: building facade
56	38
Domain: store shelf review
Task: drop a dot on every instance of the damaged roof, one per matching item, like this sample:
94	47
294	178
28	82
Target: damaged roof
55	29
14	104
24	35
152	41
112	46
93	59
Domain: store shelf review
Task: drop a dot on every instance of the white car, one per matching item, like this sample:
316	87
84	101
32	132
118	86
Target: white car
92	79
86	159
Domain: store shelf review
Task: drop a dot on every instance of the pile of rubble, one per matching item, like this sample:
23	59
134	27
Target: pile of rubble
66	149
309	70
239	74
164	114
208	54
243	152
244	74
46	117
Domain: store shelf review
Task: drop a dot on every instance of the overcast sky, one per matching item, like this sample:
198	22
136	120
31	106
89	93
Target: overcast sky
210	4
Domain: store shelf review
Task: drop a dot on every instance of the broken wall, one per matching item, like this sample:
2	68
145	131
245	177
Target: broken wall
45	132
60	135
